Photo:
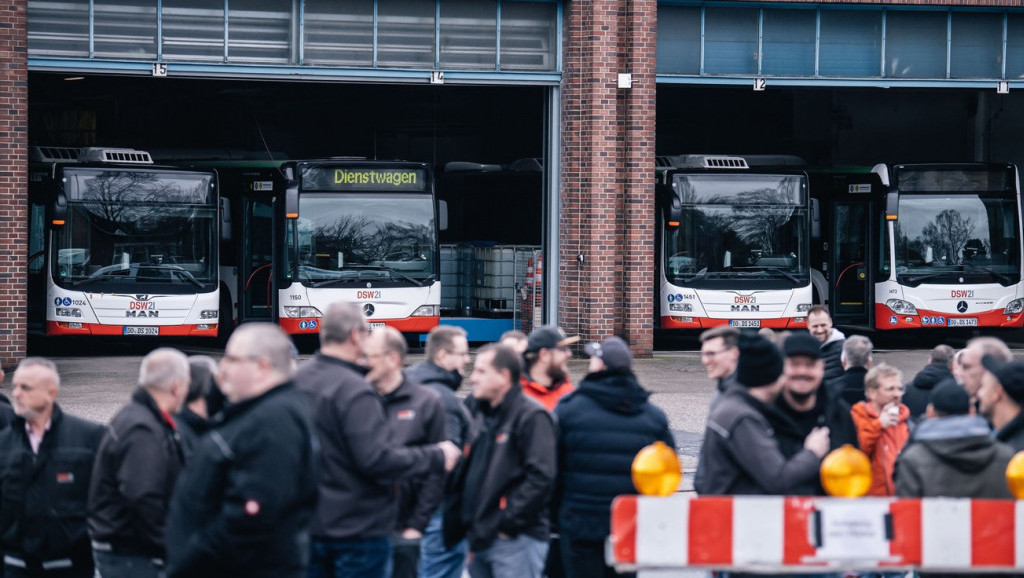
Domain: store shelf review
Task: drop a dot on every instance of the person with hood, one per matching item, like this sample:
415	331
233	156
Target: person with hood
952	453
547	356
601	427
882	427
916	392
819	324
447	353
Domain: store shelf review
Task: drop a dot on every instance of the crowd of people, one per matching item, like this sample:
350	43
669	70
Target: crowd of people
352	464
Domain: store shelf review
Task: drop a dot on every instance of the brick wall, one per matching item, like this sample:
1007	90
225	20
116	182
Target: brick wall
13	180
607	182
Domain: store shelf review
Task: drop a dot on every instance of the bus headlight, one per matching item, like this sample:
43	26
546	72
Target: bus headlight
1015	306
803	307
426	311
901	307
208	314
680	307
301	312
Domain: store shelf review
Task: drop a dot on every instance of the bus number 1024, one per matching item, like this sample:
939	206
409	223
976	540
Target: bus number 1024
367	294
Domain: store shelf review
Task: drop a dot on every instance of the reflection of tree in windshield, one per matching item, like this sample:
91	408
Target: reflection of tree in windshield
126	202
950	238
364	241
761	214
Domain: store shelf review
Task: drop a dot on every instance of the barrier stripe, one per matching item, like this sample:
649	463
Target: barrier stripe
711	531
905	545
797	550
751	517
623	536
945	533
992	533
663	539
1018	538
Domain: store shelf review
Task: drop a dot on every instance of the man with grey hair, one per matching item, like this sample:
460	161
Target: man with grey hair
856	360
360	460
918	390
971	369
61	449
243	503
136	468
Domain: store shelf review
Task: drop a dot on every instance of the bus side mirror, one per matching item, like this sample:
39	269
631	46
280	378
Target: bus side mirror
291	200
442	215
815	219
673	208
892	205
225	219
58	205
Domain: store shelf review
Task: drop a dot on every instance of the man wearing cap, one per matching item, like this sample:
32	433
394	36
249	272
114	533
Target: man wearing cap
952	453
601	427
547	365
1000	398
740	452
806	404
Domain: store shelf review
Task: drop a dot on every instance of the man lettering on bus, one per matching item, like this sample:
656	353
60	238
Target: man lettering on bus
819	324
547	365
62	448
360	460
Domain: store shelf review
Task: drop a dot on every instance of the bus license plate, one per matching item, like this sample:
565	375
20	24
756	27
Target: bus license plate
376	325
745	323
141	331
963	322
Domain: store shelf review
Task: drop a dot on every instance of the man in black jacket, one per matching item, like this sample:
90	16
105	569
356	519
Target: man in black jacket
856	359
447	352
505	486
136	468
416	418
830	339
601	427
1001	399
243	503
938	370
360	461
46	461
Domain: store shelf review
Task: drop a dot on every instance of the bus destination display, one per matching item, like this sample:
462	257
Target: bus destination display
328	178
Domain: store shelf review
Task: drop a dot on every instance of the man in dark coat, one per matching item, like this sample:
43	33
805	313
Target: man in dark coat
856	359
952	453
46	462
504	487
136	468
830	339
243	503
447	352
193	418
360	461
601	427
1001	398
740	451
917	390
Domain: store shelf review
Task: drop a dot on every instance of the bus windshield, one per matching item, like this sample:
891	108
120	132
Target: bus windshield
364	237
957	238
137	231
749	227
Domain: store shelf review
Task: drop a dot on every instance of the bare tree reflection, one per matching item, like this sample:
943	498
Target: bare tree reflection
949	233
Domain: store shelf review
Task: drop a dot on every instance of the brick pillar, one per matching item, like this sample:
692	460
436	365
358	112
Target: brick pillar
607	183
13	181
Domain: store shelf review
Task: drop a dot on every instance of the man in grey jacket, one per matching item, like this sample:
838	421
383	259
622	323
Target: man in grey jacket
740	454
360	461
952	453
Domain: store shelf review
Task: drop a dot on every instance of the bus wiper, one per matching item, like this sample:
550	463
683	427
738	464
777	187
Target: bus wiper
782	272
391	271
335	281
177	270
916	279
119	274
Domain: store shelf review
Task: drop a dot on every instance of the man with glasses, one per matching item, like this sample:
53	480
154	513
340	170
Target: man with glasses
447	353
360	460
547	356
243	503
719	356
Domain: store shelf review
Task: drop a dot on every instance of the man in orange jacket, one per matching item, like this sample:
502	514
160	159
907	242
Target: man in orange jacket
882	428
546	377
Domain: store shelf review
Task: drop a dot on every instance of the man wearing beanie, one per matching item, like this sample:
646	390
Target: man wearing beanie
601	427
740	454
952	453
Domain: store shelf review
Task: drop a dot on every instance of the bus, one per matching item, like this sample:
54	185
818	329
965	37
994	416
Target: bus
732	242
922	246
303	234
119	246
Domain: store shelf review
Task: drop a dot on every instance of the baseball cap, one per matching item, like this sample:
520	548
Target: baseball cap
548	337
949	398
1010	375
613	351
802	343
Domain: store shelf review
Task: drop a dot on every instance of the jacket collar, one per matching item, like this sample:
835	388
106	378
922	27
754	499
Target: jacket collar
361	370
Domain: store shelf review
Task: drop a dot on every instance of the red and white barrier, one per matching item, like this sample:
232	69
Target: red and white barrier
793	534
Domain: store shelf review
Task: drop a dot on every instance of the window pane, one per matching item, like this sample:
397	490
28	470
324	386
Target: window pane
1015	46
125	29
339	33
405	33
730	41
915	44
259	31
193	30
529	35
469	34
58	28
678	40
977	45
788	44
851	43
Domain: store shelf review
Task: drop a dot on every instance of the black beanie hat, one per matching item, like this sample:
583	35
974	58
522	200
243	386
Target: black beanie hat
760	361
